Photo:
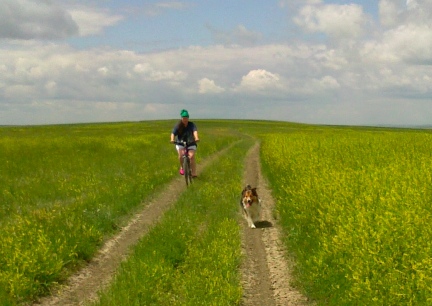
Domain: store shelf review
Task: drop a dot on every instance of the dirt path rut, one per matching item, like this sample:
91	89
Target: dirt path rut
265	273
83	286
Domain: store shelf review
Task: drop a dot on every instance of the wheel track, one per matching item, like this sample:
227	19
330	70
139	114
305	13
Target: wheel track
266	274
82	287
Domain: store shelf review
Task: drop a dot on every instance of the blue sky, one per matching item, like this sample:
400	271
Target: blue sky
312	61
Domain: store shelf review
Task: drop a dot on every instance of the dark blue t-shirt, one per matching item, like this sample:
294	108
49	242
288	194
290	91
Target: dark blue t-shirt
186	134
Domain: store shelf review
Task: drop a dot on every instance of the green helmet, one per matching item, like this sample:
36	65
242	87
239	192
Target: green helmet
184	113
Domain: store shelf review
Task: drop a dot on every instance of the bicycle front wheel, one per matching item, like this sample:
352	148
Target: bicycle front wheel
190	172
187	171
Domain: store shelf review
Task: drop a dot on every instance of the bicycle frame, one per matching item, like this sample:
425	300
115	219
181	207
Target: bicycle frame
186	164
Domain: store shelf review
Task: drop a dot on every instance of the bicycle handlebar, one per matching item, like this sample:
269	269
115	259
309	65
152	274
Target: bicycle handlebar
182	143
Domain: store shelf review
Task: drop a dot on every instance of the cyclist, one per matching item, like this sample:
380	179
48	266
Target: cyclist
186	130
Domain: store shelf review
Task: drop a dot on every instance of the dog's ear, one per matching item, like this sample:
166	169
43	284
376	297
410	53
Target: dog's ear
254	191
243	192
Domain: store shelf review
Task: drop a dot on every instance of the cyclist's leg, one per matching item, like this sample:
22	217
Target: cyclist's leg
180	151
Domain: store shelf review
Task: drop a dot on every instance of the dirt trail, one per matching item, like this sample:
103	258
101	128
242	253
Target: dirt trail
265	273
83	286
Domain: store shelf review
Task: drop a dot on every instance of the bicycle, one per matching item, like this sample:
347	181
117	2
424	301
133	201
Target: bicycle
186	164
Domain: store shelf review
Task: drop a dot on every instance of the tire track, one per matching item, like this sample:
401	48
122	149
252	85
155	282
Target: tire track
266	274
83	286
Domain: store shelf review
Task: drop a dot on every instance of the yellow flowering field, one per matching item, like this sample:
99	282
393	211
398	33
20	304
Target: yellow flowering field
356	209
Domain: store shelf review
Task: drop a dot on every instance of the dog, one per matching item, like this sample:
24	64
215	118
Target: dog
251	205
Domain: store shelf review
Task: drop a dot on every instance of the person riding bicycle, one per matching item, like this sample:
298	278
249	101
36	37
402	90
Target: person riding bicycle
186	130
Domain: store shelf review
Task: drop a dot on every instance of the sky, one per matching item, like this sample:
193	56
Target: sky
309	61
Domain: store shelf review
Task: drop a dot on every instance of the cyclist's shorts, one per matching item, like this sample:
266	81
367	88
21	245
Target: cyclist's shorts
190	147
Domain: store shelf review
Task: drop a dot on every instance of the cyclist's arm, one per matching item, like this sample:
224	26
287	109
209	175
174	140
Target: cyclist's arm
195	133
172	138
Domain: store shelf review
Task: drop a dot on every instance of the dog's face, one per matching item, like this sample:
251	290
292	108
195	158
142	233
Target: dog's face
250	196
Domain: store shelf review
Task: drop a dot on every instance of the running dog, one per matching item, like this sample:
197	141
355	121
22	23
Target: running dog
251	205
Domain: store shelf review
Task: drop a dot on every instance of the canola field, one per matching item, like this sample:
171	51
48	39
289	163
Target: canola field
356	209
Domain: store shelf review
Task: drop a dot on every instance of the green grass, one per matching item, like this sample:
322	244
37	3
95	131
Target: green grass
355	206
354	203
192	255
66	188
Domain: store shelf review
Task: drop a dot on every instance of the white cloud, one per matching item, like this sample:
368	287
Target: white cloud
240	35
409	43
394	13
412	43
411	4
338	21
151	74
208	86
328	82
307	80
171	5
92	21
158	8
103	71
389	11
50	87
31	19
259	80
48	20
296	3
331	59
419	12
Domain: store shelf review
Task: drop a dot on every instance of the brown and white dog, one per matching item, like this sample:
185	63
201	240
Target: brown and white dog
251	205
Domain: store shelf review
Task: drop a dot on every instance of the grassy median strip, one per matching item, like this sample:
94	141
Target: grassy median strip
191	256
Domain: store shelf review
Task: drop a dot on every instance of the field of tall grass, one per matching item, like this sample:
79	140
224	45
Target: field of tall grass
64	189
356	210
354	204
